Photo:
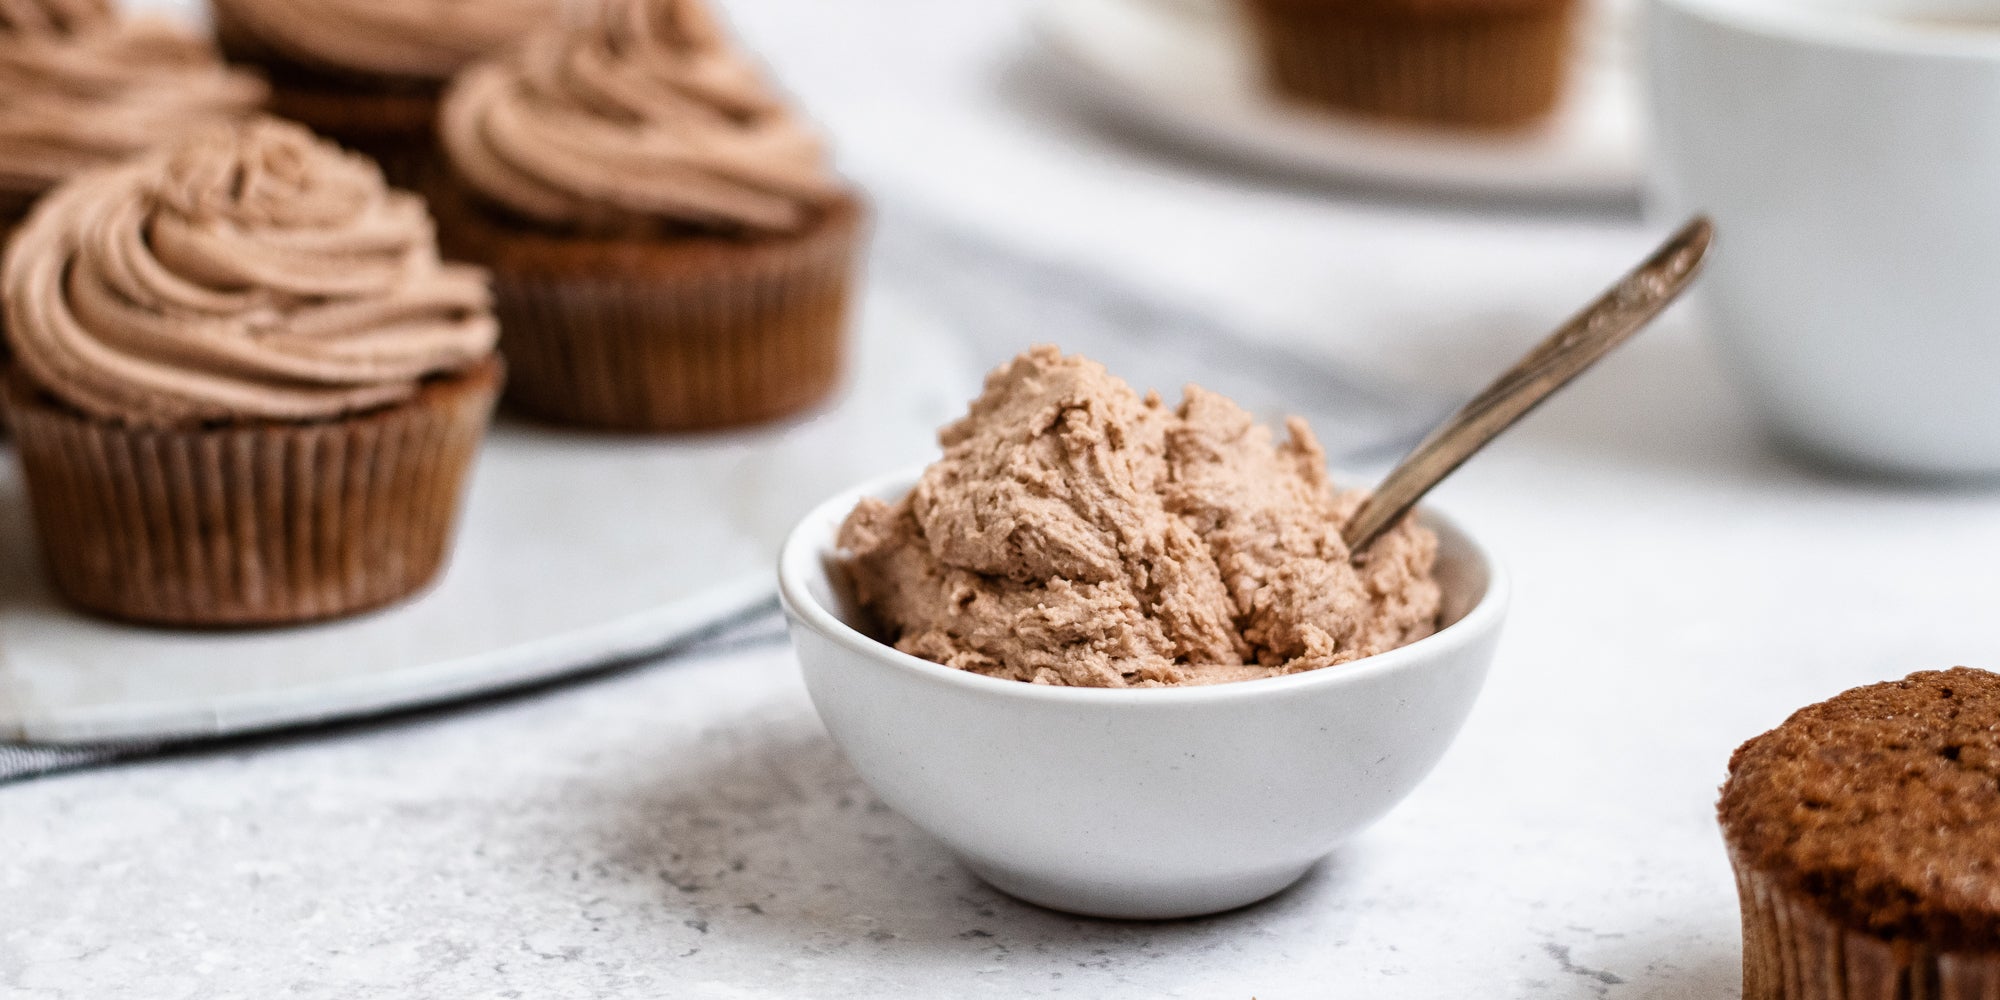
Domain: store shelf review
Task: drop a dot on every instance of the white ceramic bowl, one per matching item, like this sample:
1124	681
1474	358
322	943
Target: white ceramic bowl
1165	802
1848	151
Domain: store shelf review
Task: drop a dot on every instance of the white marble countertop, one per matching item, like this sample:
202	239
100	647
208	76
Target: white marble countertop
685	829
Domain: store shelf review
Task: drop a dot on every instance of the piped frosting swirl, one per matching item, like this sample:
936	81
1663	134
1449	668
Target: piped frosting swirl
251	272
412	39
647	115
75	93
51	18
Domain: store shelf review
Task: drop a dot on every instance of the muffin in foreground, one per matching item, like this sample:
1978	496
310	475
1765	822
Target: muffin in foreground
1075	533
1476	63
669	247
245	390
1865	833
81	87
368	72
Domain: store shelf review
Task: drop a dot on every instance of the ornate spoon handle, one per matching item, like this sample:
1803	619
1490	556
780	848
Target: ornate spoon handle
1604	324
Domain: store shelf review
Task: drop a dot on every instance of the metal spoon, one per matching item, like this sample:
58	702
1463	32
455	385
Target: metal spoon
1604	324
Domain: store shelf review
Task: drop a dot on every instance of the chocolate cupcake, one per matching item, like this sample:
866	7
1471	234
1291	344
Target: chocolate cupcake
670	250
1865	833
245	391
1477	63
368	72
82	88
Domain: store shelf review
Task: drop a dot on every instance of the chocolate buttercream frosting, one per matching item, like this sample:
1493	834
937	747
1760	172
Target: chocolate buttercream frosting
412	39
250	272
1077	533
648	114
76	93
51	18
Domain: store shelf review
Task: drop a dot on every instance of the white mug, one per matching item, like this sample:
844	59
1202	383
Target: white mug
1849	153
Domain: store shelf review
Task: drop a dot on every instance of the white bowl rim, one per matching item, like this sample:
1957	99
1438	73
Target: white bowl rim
1882	35
800	559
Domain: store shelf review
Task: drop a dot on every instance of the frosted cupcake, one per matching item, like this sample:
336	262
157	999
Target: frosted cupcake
669	247
368	72
245	391
81	88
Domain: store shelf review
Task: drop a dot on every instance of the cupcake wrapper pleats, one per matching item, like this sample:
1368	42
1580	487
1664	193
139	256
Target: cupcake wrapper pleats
1495	68
1792	950
254	524
667	335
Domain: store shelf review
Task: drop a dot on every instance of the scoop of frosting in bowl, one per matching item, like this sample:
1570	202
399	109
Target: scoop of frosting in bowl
647	116
1076	533
79	89
411	39
249	272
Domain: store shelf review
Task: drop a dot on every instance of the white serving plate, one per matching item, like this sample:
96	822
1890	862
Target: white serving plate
1185	72
576	550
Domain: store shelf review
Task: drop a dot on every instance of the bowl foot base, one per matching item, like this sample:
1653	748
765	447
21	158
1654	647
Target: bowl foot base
1124	900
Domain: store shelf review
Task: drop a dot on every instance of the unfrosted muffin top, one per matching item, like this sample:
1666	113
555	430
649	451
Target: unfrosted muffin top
248	272
647	115
1077	533
80	88
1883	806
425	40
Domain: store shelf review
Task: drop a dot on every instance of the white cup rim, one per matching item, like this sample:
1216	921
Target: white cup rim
1790	22
800	562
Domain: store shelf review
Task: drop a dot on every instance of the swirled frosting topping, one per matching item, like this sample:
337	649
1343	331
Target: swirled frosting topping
69	102
648	114
48	18
418	39
252	272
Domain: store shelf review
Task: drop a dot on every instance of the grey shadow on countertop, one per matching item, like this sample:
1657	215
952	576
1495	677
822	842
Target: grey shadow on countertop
778	848
775	847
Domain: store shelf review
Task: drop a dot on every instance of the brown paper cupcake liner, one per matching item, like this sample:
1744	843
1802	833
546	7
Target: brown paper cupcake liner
1491	68
391	120
1793	950
395	130
9	221
251	524
663	335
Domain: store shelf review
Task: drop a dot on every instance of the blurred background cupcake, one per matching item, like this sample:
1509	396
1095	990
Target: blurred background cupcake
81	87
669	246
245	391
368	72
1478	63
